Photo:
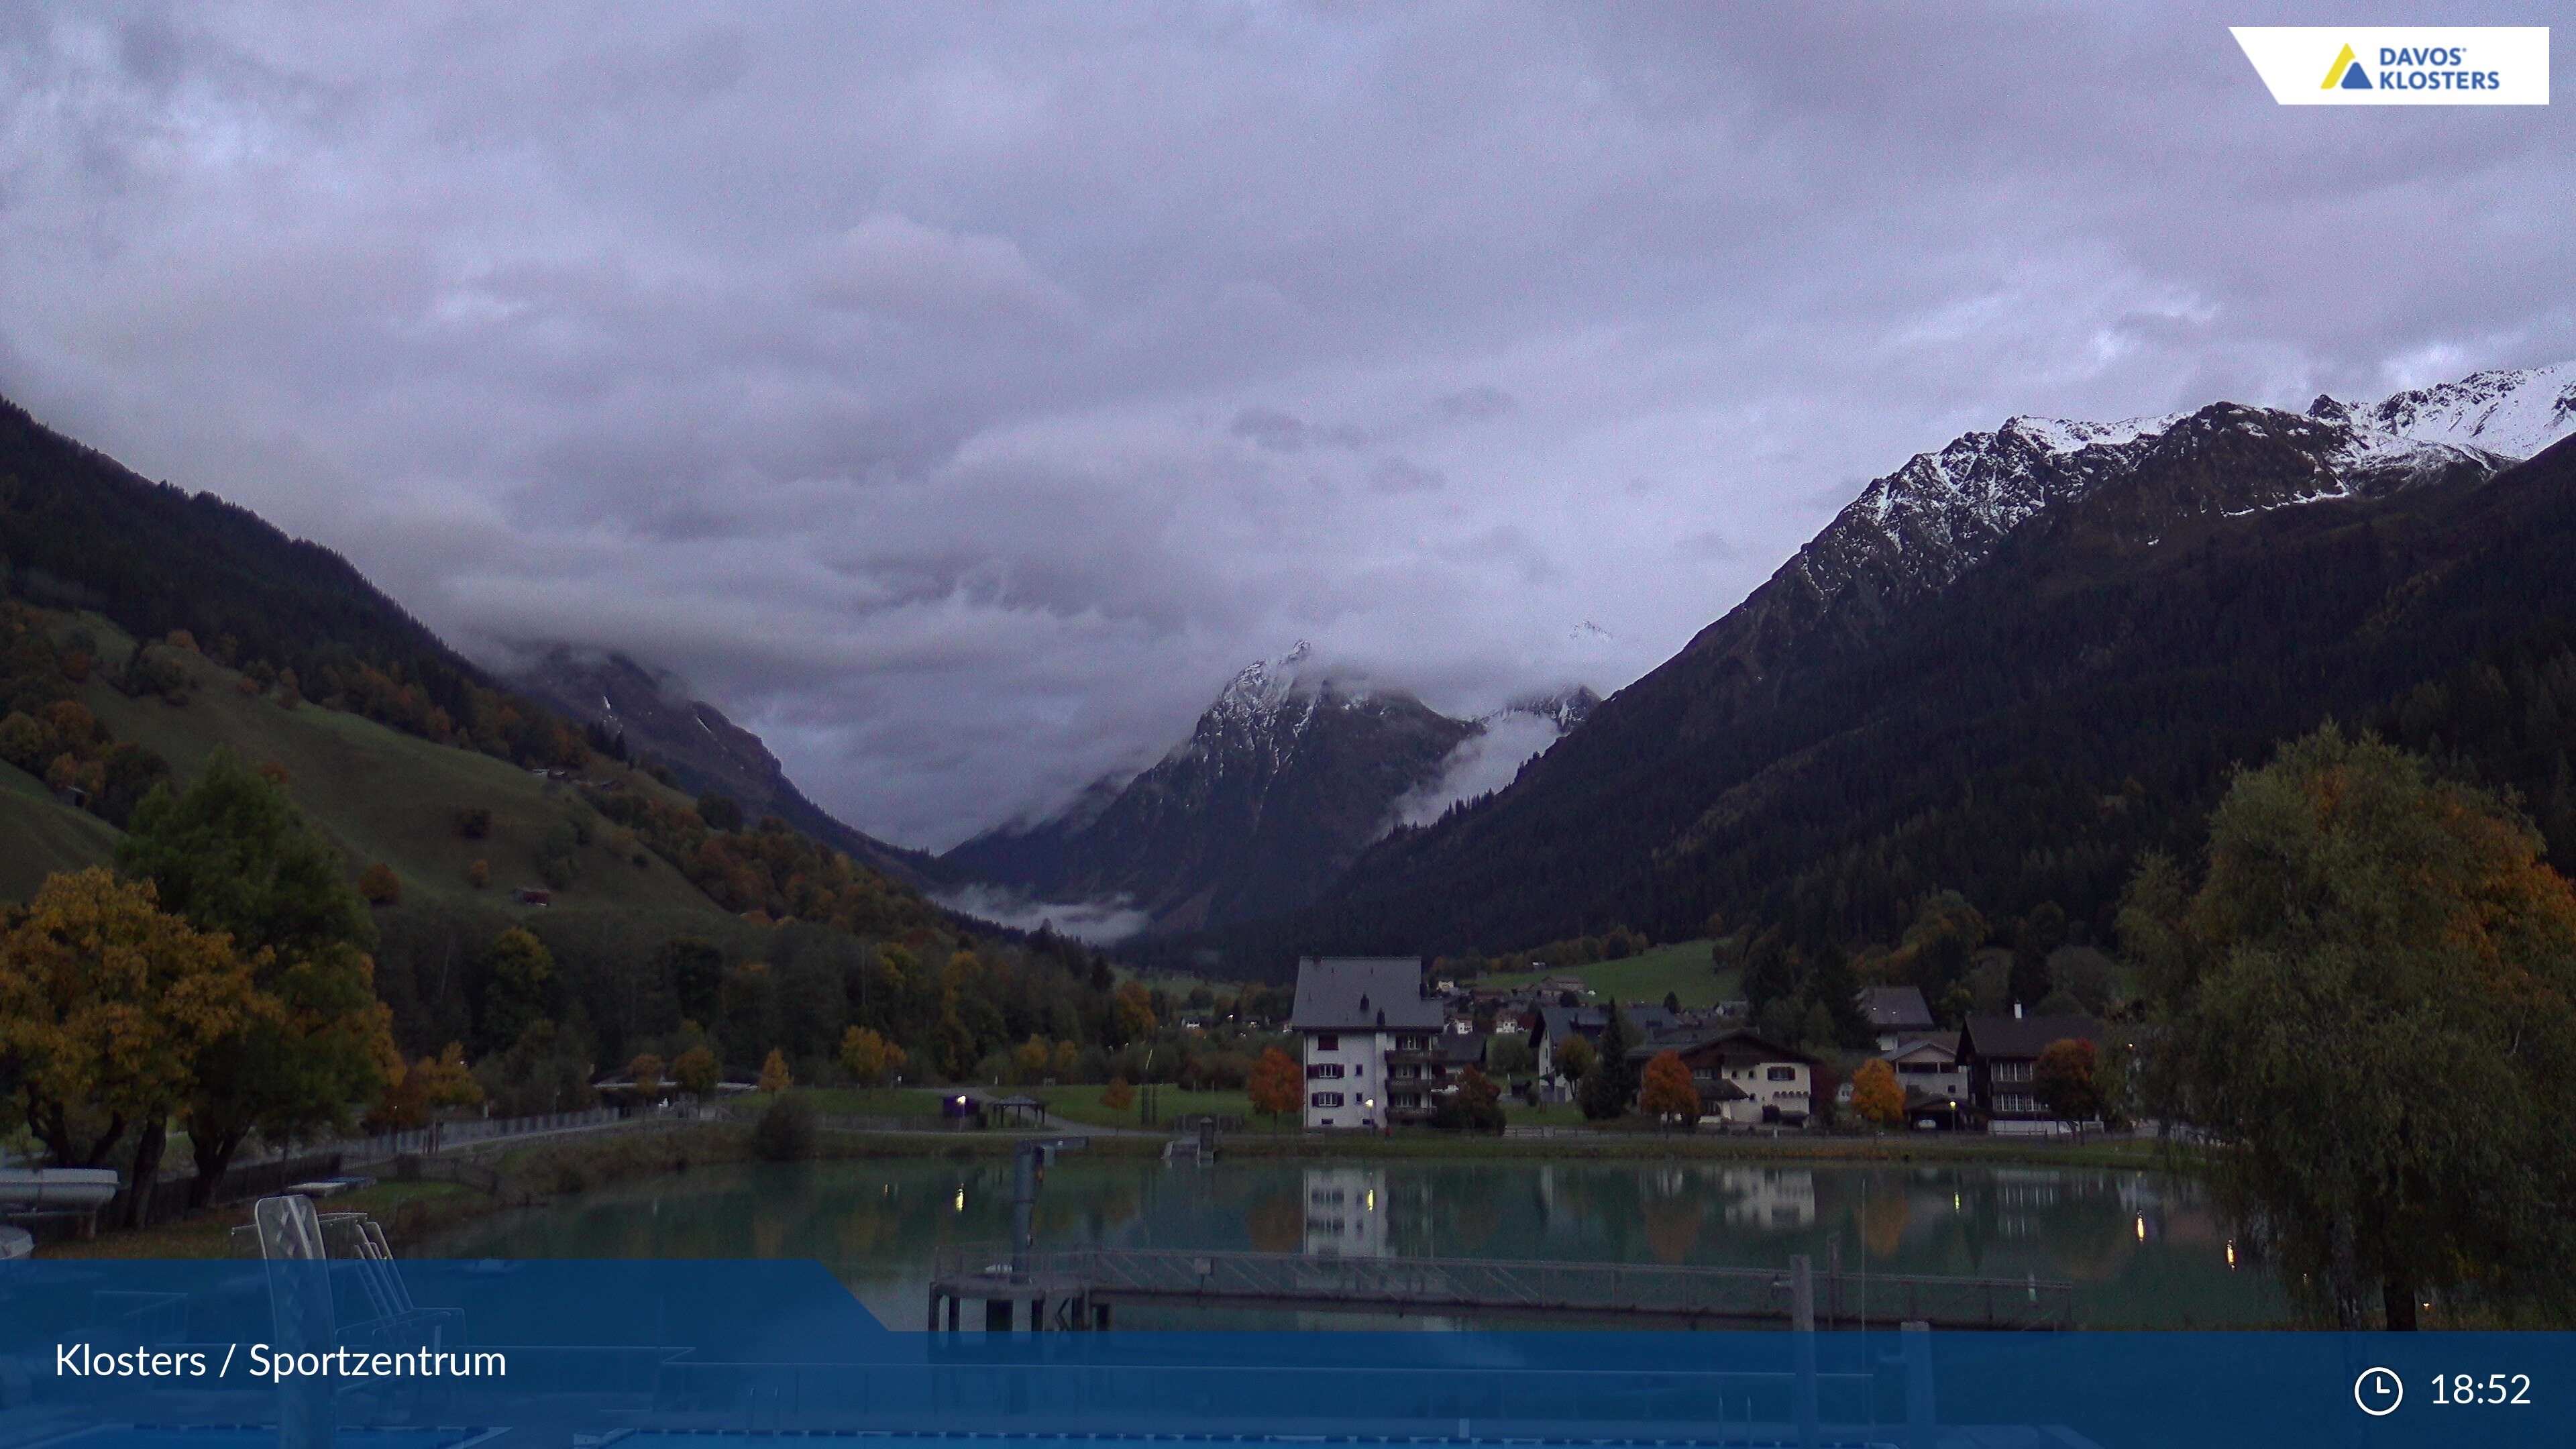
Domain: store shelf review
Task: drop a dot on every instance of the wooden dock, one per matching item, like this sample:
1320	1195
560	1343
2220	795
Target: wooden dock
1079	1288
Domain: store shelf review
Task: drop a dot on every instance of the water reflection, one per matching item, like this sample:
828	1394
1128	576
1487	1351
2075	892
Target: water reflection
2143	1249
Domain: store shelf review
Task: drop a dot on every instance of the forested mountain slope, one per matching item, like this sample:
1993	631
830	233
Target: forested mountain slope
2011	667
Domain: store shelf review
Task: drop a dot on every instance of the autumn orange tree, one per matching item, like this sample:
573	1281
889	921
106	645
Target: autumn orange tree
1875	1093
1277	1085
380	886
2369	1002
1667	1091
108	1009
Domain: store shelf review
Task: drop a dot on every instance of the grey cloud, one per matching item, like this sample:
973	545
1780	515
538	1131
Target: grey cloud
1476	404
1403	475
1284	432
959	395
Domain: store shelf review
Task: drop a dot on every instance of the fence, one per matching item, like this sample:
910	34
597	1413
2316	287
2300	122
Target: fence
168	1197
1465	1285
427	1141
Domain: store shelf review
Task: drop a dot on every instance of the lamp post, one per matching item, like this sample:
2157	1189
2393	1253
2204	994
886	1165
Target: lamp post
1028	1171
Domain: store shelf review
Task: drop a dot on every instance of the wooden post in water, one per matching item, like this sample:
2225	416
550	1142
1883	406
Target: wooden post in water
1921	1431
1802	1323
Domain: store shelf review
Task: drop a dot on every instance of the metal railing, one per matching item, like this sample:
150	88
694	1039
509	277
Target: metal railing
1473	1285
425	1141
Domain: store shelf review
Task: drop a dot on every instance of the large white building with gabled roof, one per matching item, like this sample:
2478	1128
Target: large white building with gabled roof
1371	1032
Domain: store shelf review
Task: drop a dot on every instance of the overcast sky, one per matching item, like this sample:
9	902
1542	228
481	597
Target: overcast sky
959	394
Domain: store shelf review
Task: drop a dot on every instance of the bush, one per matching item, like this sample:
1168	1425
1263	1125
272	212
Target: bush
380	886
474	822
785	1132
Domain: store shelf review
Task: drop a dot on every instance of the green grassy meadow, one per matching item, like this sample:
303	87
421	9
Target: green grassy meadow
1682	968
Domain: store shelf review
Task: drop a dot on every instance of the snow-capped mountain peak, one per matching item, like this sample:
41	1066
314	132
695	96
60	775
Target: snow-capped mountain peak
2513	412
1943	511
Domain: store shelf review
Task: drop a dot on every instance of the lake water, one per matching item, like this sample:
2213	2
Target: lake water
2143	1249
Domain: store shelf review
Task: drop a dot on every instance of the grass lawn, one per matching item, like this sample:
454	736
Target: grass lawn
1082	1105
1682	968
1545	1114
1074	1105
871	1101
44	835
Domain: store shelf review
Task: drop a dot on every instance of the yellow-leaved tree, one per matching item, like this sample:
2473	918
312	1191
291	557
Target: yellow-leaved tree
697	1072
231	853
863	1055
1031	1058
1875	1094
774	1076
108	1005
428	1087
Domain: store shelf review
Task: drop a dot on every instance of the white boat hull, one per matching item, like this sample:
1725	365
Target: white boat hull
56	1189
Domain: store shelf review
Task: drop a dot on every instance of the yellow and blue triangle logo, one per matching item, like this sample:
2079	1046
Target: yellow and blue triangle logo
2346	73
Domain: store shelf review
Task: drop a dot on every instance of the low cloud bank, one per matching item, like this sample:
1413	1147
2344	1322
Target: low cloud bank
1481	764
1098	923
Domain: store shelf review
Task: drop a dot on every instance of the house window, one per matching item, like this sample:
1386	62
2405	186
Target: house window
2012	1071
1324	1071
1782	1074
1326	1041
1325	1099
1413	1043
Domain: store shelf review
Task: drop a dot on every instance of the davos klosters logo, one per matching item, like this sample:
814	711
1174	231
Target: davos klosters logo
2416	65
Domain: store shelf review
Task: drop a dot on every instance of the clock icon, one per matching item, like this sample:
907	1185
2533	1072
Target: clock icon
2378	1391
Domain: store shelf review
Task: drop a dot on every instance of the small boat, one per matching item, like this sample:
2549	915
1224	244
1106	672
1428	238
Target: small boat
56	1189
16	1243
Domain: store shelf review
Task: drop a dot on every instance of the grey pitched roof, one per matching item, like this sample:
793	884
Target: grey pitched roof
1895	1008
1734	1044
1363	993
1556	1023
1947	1041
1650	1017
2000	1035
1463	1048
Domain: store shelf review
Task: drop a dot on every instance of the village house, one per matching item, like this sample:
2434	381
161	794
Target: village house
1361	1020
1897	1014
1743	1078
1552	1026
1936	1085
1998	1054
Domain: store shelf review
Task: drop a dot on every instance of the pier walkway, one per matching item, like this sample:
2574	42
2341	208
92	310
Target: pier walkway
1082	1285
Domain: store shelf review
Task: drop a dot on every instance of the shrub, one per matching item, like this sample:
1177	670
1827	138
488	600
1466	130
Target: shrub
474	822
785	1132
479	874
380	886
